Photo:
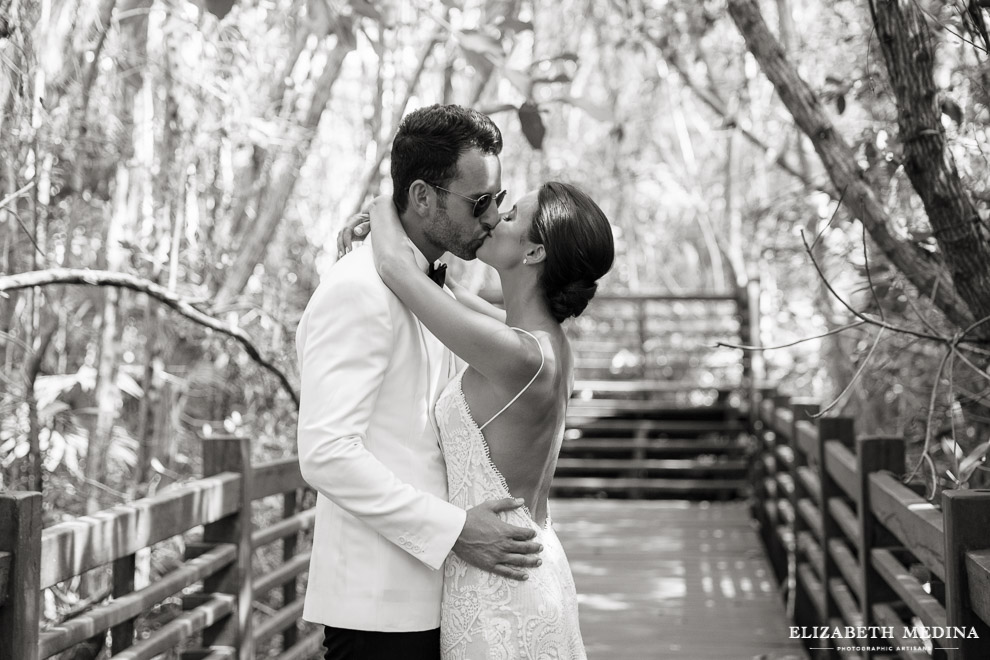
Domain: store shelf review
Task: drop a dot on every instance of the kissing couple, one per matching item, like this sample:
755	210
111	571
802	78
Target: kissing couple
430	420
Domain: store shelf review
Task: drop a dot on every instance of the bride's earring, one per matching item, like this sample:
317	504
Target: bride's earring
525	261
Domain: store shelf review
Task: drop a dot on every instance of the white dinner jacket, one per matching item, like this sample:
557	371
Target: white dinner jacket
371	373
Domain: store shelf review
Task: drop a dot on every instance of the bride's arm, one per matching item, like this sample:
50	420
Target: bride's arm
358	226
475	302
487	344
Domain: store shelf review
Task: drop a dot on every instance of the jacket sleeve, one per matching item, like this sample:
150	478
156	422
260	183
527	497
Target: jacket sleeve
344	344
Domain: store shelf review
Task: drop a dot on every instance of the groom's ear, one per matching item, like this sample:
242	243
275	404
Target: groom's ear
421	198
536	254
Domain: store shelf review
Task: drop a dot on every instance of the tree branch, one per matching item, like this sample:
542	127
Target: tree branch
840	163
156	291
717	105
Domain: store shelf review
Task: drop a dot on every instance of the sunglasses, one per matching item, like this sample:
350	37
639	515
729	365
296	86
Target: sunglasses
481	204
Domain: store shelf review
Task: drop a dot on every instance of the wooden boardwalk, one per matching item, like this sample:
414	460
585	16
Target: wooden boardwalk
672	579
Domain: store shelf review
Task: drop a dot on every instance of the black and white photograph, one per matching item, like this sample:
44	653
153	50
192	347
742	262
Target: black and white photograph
494	329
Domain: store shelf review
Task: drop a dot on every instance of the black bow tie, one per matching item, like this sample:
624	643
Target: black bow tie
438	273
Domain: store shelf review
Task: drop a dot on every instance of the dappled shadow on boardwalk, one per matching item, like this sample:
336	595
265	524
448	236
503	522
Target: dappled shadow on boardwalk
672	579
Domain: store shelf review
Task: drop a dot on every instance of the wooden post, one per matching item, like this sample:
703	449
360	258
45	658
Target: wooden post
20	535
967	521
289	635
231	454
756	469
745	338
753	360
873	453
122	636
641	321
841	429
778	551
806	611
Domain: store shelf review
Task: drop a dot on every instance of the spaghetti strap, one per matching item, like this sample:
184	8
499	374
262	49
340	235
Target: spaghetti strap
531	380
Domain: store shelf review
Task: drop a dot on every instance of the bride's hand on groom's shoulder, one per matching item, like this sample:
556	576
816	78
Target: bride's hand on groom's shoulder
491	544
355	229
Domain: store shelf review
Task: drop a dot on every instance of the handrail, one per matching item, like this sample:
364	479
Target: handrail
221	612
218	559
667	297
78	545
858	539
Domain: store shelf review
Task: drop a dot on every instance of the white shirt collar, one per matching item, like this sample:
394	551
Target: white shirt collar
421	260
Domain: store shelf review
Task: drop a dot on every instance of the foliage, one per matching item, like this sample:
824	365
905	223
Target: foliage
215	148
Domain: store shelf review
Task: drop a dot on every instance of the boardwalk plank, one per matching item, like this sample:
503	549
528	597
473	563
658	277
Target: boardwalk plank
672	579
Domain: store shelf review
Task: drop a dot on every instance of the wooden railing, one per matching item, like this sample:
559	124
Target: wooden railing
215	581
219	580
669	341
857	547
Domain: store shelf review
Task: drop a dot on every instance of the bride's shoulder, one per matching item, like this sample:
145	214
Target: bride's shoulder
548	357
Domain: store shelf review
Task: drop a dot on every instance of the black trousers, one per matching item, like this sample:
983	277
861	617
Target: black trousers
345	644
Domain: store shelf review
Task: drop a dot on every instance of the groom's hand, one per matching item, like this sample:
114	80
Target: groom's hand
491	544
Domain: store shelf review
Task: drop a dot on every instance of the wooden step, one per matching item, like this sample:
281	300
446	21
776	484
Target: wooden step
629	487
633	409
723	377
650	427
671	467
600	362
648	447
638	386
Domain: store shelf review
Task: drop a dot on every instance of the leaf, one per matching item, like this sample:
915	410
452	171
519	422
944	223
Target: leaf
343	27
559	78
319	18
55	448
952	110
491	110
596	111
969	464
532	124
219	8
128	385
515	25
566	56
483	44
366	9
479	62
520	80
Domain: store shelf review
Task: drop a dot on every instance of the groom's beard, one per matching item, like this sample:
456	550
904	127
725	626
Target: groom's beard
446	234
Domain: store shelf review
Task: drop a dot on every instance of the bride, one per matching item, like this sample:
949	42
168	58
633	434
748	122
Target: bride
501	419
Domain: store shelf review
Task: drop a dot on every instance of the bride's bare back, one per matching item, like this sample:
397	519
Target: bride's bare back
524	440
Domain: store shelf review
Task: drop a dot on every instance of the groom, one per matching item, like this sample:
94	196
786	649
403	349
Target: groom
367	442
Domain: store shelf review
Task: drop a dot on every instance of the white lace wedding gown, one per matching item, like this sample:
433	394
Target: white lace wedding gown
485	616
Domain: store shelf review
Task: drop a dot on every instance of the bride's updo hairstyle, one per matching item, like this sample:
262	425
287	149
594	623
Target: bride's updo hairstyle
579	250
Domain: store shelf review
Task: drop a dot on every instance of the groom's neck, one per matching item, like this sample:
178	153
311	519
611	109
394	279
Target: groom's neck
414	226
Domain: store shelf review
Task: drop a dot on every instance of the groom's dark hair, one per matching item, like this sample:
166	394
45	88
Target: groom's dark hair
429	142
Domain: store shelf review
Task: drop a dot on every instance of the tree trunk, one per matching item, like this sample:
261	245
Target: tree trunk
131	200
105	392
284	173
11	47
926	273
384	143
908	49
